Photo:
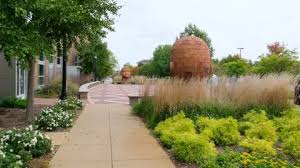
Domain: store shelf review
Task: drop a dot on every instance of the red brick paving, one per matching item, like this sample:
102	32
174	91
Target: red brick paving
112	94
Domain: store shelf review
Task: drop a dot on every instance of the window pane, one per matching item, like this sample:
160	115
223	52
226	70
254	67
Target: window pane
41	70
22	82
42	56
58	60
18	79
41	80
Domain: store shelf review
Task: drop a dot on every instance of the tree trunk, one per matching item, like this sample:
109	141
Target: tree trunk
30	90
63	95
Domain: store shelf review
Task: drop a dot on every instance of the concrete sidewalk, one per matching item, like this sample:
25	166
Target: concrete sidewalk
109	136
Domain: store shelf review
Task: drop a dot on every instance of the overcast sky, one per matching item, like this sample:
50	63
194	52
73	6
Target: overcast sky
251	24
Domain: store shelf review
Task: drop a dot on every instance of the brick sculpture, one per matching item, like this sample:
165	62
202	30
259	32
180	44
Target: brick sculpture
190	57
125	73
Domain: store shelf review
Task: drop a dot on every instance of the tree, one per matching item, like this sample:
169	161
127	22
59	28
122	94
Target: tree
96	58
20	39
230	58
274	64
146	70
236	68
193	30
276	48
71	21
232	65
28	28
278	60
161	61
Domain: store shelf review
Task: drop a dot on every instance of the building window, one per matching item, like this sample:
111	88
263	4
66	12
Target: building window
41	76
20	81
42	56
58	60
77	61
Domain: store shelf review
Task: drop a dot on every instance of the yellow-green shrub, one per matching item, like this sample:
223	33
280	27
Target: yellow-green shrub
226	132
258	146
195	149
223	131
291	145
288	123
204	123
257	125
172	128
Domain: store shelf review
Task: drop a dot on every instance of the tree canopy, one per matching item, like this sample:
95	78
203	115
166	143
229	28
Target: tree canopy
278	60
236	68
161	60
20	37
160	64
96	58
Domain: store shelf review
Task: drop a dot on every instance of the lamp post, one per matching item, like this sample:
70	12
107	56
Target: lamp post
95	67
240	51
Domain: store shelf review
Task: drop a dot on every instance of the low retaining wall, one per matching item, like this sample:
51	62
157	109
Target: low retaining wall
84	89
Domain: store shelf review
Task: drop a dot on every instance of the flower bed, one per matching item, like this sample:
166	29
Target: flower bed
61	115
19	146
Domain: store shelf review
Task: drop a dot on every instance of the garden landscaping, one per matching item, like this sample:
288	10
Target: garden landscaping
19	146
249	123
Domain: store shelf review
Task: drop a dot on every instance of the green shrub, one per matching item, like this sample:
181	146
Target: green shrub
257	125
13	102
226	132
61	115
288	123
24	144
211	110
259	146
53	118
291	145
229	159
256	160
223	131
173	128
145	109
195	149
9	160
54	89
71	103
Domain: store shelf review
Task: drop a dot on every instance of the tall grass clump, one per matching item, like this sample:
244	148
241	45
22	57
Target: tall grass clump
228	98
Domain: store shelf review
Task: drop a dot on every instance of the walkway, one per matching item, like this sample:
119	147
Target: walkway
109	93
109	136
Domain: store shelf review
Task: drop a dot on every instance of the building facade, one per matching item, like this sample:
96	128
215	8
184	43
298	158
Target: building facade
13	79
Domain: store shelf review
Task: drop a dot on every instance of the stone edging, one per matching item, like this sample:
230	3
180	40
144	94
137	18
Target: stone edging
84	89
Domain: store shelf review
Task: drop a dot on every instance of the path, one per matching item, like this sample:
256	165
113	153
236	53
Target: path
109	136
110	93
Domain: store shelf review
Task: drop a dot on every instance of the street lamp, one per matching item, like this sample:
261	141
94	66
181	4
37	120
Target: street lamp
240	51
95	68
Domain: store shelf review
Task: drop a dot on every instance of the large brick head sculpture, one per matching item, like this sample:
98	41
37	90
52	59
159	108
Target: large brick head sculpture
125	73
190	57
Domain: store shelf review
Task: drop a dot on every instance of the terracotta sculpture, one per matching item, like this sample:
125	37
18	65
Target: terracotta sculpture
190	57
126	74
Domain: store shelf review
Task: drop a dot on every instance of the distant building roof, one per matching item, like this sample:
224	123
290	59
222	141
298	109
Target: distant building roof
143	62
